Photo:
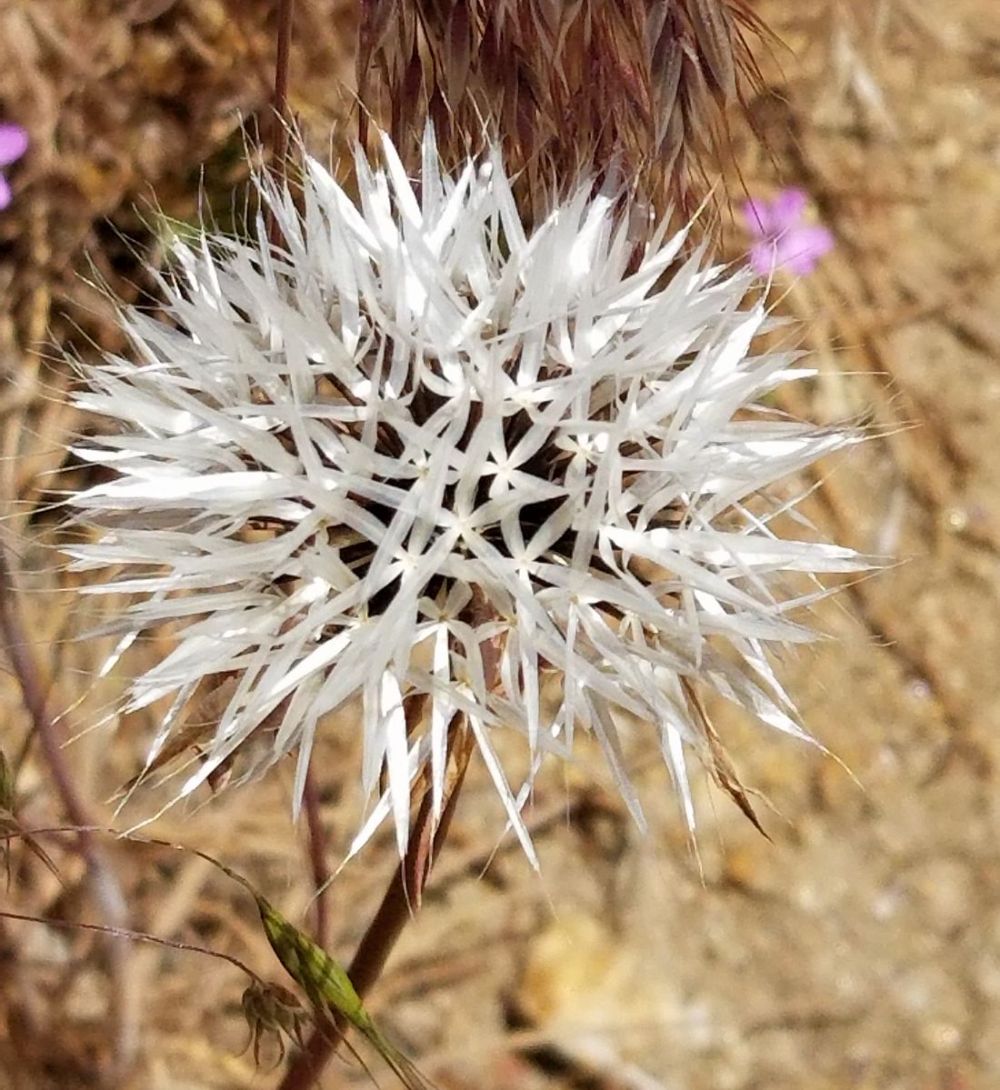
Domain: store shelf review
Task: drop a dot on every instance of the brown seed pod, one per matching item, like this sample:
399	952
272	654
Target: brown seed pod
272	1011
637	88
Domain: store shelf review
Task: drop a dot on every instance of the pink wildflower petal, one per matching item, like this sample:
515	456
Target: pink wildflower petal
762	257
13	143
5	194
800	248
759	218
787	209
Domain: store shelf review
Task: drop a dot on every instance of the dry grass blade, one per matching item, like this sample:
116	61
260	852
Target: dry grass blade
715	41
10	824
200	725
723	771
642	86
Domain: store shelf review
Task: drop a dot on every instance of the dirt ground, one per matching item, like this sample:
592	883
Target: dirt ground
860	946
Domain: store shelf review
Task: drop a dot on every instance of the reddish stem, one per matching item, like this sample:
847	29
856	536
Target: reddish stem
279	121
104	883
317	856
404	891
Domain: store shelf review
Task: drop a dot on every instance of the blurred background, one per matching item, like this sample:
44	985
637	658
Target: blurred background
860	946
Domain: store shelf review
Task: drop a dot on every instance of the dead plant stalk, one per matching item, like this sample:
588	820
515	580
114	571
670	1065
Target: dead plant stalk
103	880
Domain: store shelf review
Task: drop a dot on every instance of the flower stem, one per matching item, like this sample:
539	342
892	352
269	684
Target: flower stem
317	856
397	906
278	128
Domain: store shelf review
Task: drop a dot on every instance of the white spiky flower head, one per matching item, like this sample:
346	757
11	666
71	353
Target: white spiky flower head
419	451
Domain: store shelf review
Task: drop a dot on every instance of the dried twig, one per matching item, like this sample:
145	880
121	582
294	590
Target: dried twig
279	121
104	882
317	856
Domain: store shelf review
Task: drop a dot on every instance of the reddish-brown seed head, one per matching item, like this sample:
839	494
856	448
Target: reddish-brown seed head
569	87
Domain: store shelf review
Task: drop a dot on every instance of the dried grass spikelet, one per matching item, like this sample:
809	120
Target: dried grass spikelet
569	87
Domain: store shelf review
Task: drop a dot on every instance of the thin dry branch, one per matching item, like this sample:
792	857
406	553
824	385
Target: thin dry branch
316	844
103	880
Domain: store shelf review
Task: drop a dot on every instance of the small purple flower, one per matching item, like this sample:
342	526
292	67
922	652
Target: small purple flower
783	240
13	144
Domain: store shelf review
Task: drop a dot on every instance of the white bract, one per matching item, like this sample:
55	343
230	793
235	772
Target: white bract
421	449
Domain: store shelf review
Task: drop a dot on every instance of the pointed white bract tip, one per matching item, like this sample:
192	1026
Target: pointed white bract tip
423	455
